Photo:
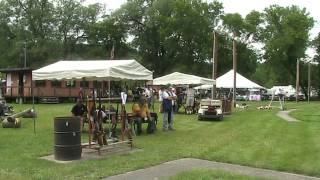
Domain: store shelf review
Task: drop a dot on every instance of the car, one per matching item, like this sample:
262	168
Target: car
210	109
242	97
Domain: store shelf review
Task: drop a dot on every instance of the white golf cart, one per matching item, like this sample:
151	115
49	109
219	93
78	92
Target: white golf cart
210	109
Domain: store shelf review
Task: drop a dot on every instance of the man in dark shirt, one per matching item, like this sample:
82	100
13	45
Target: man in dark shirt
78	110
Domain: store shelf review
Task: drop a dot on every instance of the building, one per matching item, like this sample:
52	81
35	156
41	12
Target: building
17	86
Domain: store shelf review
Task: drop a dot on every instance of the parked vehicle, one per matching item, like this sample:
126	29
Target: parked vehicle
210	109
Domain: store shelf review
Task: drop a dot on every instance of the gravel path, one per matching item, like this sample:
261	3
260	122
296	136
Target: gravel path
171	168
285	115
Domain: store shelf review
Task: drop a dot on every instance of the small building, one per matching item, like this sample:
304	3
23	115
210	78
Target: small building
17	86
69	79
17	82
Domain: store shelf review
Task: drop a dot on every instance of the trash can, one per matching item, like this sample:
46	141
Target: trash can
67	138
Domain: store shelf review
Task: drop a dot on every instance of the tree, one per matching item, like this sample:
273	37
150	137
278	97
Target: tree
172	35
73	21
243	30
316	45
285	33
108	35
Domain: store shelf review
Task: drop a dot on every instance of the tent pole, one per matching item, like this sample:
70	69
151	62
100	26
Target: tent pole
34	111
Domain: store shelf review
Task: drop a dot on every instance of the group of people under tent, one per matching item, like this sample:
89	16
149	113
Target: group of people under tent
140	111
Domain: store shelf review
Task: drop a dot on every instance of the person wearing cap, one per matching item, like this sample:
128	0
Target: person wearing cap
78	110
169	98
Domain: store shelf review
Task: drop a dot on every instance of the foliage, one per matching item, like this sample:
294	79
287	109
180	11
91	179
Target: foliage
316	82
164	35
285	33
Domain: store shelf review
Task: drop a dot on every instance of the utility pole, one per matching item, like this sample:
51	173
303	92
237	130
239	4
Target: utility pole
309	80
297	81
234	57
214	63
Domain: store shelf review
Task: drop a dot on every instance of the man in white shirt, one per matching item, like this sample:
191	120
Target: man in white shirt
169	98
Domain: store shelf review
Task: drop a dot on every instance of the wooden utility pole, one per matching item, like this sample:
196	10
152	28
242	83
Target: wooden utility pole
297	81
234	57
214	63
309	80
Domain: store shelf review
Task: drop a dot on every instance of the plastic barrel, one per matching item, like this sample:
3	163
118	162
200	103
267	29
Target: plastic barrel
67	138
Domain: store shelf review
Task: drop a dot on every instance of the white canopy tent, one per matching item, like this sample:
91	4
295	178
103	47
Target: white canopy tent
93	70
226	81
178	78
100	70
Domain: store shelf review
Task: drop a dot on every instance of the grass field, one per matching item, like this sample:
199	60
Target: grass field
248	137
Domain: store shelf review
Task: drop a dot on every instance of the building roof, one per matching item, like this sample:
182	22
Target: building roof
6	70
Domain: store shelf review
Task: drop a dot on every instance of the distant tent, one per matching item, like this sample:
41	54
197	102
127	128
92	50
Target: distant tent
178	78
226	81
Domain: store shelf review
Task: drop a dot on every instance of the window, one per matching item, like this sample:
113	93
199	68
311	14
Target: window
71	84
97	84
56	83
40	83
84	84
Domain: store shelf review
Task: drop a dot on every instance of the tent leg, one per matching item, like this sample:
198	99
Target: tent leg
34	111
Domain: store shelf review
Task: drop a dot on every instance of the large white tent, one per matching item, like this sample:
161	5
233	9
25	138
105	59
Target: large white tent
93	70
226	81
178	78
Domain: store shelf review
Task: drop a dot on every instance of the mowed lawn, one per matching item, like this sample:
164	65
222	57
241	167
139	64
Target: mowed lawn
250	137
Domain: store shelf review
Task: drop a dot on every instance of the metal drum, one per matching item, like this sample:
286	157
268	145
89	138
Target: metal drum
67	138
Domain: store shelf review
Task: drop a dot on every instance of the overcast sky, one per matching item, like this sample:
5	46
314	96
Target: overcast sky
245	6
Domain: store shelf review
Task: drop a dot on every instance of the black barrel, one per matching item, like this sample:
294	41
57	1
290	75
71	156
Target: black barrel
67	138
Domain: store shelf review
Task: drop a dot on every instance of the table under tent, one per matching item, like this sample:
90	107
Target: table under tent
182	81
98	70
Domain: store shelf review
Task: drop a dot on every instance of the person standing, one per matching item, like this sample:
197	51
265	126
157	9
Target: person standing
169	98
190	100
161	99
78	110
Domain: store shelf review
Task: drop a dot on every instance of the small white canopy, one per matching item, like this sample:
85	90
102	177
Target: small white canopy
177	78
226	81
93	70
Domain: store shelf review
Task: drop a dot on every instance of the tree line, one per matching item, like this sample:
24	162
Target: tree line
163	35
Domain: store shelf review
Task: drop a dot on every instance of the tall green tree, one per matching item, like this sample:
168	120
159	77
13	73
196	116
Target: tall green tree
316	78
285	33
172	35
242	30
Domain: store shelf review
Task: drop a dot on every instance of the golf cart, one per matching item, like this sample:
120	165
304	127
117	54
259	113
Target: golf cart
210	109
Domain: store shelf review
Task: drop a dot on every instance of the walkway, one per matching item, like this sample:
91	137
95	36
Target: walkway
285	115
171	168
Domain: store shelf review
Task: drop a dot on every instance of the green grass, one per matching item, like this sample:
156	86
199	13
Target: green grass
252	137
204	174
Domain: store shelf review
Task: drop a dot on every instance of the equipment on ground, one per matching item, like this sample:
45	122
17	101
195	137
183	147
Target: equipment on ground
280	96
12	121
15	124
210	109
